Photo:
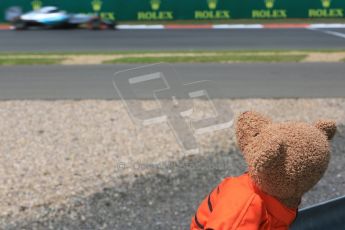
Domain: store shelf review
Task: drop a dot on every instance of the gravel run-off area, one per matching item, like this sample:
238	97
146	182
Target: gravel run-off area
88	165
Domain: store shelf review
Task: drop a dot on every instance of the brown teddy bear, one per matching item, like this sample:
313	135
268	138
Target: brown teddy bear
284	160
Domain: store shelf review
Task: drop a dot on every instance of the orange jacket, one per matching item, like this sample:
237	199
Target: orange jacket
238	204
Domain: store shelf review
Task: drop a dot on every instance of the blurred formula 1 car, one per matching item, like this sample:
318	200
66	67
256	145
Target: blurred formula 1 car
51	17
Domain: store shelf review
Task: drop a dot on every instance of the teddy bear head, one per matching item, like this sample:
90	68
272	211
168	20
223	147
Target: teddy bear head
285	159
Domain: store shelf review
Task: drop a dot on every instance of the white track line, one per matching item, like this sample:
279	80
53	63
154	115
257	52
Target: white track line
337	34
334	33
327	26
229	26
238	26
140	27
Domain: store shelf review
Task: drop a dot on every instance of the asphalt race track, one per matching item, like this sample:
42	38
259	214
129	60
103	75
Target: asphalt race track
206	39
279	80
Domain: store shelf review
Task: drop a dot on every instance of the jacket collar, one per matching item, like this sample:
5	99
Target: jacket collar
274	207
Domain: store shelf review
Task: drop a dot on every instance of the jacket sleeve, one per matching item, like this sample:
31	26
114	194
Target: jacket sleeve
204	210
240	213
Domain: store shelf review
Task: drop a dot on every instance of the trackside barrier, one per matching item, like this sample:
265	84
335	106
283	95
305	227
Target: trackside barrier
329	215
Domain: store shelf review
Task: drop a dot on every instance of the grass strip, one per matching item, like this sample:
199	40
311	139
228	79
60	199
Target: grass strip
68	53
29	61
210	59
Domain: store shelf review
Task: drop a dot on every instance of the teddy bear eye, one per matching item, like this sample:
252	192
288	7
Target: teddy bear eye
256	134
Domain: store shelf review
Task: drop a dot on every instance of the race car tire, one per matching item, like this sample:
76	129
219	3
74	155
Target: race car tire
111	26
20	25
95	24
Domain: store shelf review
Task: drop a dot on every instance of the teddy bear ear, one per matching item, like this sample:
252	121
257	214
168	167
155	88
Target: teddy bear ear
328	127
249	125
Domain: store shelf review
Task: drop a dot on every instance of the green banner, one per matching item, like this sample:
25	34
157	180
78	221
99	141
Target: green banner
137	10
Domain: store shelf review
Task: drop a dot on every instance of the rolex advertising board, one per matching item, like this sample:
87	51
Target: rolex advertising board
158	10
327	9
270	9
